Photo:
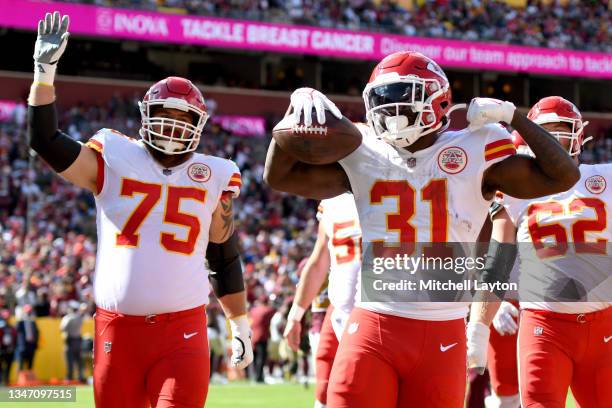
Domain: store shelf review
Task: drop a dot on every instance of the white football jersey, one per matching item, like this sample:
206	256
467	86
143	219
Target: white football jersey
340	222
563	245
153	226
432	195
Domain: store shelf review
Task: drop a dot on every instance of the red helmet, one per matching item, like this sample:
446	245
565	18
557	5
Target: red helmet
161	133
407	96
555	109
519	143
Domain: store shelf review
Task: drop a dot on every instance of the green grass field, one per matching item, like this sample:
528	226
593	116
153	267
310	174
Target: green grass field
238	395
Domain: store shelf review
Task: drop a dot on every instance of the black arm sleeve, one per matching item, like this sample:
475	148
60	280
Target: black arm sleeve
55	147
225	268
498	264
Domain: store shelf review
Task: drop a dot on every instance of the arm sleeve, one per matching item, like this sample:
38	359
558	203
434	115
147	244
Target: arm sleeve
57	148
225	267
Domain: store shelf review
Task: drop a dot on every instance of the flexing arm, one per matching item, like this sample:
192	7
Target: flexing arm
552	170
66	156
284	173
312	278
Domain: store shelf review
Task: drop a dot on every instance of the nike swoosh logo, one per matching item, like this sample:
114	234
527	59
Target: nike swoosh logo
445	348
190	335
607	339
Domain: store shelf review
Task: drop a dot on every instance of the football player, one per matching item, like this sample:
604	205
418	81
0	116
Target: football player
413	181
337	251
162	210
565	278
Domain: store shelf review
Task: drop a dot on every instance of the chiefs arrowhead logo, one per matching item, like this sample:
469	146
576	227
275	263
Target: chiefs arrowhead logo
595	184
199	172
452	160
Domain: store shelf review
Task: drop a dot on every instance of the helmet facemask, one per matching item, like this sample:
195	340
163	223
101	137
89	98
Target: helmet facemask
576	135
167	135
399	110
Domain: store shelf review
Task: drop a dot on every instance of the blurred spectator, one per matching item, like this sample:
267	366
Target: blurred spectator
27	339
261	315
71	326
8	341
277	326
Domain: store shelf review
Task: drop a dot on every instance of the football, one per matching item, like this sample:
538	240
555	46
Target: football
317	144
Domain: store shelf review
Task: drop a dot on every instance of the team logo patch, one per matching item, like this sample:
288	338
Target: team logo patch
199	172
452	160
595	184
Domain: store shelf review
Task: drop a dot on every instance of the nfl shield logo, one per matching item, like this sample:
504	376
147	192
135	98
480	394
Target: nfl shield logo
538	330
411	162
107	346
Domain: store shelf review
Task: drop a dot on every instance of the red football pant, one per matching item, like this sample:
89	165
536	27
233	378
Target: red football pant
157	361
386	361
502	362
557	351
326	352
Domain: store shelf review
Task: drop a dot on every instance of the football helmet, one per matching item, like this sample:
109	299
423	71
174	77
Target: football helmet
172	136
407	96
555	109
519	143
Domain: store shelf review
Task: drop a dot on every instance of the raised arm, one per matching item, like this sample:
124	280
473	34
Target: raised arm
551	171
73	161
284	173
311	280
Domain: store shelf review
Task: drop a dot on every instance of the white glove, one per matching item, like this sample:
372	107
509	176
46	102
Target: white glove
504	321
242	349
483	111
477	345
304	99
50	45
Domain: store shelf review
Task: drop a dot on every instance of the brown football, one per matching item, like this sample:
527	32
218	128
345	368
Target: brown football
317	144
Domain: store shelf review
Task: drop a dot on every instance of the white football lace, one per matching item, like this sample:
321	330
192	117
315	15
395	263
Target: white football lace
322	130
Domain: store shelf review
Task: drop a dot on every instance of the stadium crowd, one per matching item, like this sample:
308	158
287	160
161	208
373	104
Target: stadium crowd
47	226
585	25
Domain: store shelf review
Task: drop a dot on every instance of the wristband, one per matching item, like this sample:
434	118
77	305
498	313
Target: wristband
296	313
44	73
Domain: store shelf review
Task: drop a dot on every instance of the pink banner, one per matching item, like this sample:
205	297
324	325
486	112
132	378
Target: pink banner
224	33
241	125
6	110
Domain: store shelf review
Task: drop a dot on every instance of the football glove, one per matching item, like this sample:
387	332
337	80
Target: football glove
304	99
504	321
477	346
50	45
242	349
483	111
